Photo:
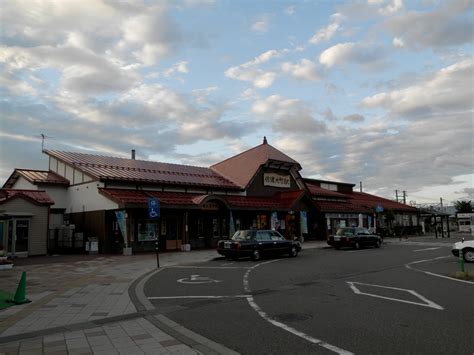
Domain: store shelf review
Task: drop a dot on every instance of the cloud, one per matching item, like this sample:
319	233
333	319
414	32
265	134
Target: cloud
447	26
447	90
288	115
262	24
304	70
251	72
398	42
325	34
354	118
180	67
290	10
341	54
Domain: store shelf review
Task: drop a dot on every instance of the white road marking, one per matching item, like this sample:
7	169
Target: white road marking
408	266
207	267
427	303
197	279
426	249
281	325
191	297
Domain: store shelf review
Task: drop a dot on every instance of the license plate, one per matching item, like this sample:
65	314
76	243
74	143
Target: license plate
227	245
337	239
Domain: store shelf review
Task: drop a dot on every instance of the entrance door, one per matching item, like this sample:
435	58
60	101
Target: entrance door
18	232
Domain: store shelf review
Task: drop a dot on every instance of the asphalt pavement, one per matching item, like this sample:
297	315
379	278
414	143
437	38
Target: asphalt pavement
97	304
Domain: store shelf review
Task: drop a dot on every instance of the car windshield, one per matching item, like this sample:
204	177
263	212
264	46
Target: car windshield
242	235
345	231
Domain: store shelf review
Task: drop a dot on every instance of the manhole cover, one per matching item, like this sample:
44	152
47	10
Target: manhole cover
293	317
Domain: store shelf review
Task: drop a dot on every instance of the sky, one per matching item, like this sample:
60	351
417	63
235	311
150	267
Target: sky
378	91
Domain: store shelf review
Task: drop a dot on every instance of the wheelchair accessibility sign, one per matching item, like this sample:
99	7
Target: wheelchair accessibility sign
197	279
153	208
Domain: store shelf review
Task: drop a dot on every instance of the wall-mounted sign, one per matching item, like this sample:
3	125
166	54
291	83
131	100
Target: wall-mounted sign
276	180
210	206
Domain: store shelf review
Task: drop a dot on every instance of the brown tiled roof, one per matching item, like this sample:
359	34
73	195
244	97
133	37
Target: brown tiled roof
242	168
35	177
38	197
319	191
139	198
120	169
361	202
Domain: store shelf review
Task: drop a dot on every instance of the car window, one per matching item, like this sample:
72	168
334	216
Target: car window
263	236
276	236
345	232
362	231
243	235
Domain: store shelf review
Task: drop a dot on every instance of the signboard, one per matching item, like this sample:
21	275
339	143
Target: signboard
153	208
379	208
276	180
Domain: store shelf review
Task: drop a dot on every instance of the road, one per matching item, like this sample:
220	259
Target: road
325	301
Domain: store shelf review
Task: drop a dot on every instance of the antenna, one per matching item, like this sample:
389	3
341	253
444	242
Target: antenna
43	137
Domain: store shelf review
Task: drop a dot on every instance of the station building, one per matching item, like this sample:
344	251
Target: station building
108	199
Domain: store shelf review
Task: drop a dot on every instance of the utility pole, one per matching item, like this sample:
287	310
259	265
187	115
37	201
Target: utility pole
441	204
404	197
360	182
396	194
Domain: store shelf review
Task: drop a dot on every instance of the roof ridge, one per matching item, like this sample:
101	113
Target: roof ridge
122	158
246	151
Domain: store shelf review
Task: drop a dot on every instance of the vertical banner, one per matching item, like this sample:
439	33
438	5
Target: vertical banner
274	221
231	225
361	220
303	222
122	225
153	208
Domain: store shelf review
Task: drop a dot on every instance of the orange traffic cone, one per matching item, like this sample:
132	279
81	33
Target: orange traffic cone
20	294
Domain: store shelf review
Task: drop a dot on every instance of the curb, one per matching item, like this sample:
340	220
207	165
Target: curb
193	340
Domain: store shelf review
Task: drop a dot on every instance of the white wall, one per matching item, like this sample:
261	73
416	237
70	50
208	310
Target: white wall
57	193
23	184
86	197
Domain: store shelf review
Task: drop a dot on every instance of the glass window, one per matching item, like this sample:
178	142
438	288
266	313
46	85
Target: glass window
147	231
264	236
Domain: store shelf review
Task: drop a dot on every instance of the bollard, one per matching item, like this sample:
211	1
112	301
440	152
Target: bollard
461	261
157	255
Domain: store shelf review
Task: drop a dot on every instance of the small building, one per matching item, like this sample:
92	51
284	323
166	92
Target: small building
24	220
339	206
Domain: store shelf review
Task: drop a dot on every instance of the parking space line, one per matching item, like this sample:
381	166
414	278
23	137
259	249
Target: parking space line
426	249
193	297
207	267
283	326
408	266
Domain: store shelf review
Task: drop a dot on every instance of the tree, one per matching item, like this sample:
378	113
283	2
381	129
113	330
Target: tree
463	206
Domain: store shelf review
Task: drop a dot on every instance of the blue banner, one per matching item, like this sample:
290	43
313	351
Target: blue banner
153	208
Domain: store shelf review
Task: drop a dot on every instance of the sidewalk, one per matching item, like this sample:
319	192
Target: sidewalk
85	304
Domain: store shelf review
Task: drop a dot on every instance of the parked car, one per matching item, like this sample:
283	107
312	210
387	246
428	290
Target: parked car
256	244
466	247
354	238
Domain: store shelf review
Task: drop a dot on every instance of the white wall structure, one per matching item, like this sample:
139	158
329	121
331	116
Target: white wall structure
86	198
23	184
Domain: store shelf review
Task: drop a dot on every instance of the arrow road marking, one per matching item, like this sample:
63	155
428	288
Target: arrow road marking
427	303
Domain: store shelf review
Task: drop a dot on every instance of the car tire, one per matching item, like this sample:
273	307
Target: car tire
468	255
256	255
378	244
293	252
337	247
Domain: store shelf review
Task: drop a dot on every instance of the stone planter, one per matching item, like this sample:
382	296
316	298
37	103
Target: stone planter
127	251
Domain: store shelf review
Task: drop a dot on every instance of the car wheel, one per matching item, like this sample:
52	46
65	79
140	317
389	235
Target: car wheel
256	255
468	255
293	252
378	243
357	245
337	247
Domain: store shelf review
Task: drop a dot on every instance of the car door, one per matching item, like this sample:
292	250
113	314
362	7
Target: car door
265	243
363	236
280	244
